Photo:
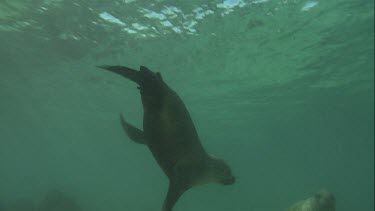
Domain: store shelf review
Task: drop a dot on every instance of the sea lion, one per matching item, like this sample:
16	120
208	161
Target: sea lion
321	201
170	134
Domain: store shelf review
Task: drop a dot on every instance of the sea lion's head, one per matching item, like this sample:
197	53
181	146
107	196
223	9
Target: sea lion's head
221	172
325	200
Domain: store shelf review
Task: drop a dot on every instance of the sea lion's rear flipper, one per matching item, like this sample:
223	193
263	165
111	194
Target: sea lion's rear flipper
123	71
175	191
144	77
150	84
134	133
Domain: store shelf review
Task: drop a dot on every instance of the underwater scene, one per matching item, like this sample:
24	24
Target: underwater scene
187	105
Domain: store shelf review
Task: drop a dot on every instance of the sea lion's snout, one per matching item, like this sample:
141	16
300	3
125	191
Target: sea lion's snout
221	172
229	181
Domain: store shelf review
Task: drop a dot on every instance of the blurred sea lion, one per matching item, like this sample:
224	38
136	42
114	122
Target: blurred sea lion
321	201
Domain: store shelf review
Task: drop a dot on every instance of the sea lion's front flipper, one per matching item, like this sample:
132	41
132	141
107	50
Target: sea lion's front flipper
134	133
175	190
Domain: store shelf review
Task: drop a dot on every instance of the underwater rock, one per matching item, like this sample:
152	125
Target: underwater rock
321	201
20	205
56	200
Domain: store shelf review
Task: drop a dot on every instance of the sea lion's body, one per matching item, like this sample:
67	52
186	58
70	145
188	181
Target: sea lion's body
321	201
170	131
170	134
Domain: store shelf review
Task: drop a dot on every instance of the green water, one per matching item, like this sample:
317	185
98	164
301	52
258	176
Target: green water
282	90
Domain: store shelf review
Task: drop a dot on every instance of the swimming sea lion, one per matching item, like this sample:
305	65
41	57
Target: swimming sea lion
170	134
321	201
